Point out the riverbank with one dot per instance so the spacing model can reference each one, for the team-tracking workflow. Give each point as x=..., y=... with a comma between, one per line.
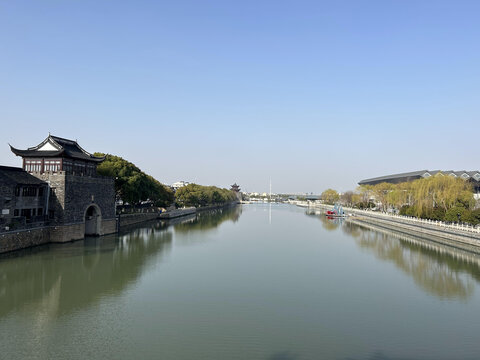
x=172, y=214
x=28, y=238
x=464, y=237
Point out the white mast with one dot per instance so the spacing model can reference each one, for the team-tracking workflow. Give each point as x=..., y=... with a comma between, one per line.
x=270, y=203
x=270, y=194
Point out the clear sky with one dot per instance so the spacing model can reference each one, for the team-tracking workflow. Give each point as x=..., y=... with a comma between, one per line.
x=313, y=94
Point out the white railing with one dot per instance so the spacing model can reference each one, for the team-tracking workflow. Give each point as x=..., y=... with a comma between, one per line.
x=410, y=219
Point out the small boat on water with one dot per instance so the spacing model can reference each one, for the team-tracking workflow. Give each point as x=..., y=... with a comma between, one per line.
x=336, y=212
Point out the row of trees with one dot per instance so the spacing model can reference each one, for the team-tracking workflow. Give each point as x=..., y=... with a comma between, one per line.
x=438, y=197
x=198, y=195
x=131, y=184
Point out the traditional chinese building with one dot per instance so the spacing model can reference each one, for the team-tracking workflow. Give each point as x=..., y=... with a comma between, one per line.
x=235, y=187
x=79, y=202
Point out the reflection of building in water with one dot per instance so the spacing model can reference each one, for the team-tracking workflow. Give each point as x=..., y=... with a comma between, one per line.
x=440, y=270
x=64, y=278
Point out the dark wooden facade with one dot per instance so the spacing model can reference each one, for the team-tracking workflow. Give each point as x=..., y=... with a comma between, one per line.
x=56, y=154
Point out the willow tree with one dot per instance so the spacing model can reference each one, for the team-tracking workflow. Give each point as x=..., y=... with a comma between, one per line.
x=381, y=191
x=400, y=195
x=330, y=196
x=442, y=191
x=365, y=192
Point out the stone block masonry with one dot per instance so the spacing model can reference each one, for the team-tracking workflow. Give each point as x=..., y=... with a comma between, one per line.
x=130, y=219
x=23, y=239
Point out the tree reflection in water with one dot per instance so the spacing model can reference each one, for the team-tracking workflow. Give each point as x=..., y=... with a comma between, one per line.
x=438, y=269
x=208, y=220
x=58, y=278
x=62, y=277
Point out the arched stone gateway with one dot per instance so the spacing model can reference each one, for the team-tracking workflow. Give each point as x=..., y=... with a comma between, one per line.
x=93, y=220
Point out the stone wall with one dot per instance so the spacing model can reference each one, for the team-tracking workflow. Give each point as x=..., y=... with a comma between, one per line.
x=7, y=203
x=56, y=201
x=66, y=233
x=72, y=195
x=130, y=219
x=82, y=191
x=10, y=241
x=109, y=226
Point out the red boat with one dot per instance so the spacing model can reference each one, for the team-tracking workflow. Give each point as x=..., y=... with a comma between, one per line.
x=336, y=212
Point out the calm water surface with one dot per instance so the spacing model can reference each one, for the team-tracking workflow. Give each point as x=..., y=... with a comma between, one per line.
x=254, y=282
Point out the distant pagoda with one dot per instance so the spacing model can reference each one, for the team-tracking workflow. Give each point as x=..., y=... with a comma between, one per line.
x=55, y=154
x=235, y=188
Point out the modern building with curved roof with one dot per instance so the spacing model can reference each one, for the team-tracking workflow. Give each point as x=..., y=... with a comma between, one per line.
x=472, y=176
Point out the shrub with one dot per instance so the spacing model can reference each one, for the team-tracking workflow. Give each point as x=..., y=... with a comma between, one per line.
x=458, y=213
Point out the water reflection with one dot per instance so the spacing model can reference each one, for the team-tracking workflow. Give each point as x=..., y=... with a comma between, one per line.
x=60, y=278
x=208, y=220
x=438, y=269
x=328, y=223
x=441, y=271
x=379, y=356
x=284, y=355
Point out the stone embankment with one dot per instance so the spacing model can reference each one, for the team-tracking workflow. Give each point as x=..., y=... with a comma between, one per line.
x=175, y=213
x=464, y=236
x=135, y=218
x=30, y=237
x=171, y=214
x=22, y=239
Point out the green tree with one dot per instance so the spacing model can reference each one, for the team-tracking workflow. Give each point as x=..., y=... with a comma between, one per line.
x=347, y=198
x=441, y=191
x=198, y=195
x=330, y=196
x=381, y=191
x=131, y=184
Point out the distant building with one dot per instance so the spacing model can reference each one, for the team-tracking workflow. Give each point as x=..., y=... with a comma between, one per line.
x=235, y=188
x=472, y=176
x=177, y=185
x=59, y=185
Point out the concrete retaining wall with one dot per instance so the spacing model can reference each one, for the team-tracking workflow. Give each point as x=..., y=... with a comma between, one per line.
x=466, y=236
x=415, y=237
x=459, y=238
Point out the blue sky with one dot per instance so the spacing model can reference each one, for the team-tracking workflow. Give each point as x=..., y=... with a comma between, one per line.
x=312, y=94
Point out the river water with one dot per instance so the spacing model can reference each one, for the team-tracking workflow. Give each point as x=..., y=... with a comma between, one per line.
x=273, y=282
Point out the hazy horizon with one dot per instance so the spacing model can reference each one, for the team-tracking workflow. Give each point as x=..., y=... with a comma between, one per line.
x=313, y=95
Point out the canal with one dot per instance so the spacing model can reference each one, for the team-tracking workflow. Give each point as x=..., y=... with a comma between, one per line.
x=272, y=282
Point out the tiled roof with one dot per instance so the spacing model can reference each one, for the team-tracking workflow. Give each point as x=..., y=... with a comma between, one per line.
x=14, y=175
x=64, y=147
